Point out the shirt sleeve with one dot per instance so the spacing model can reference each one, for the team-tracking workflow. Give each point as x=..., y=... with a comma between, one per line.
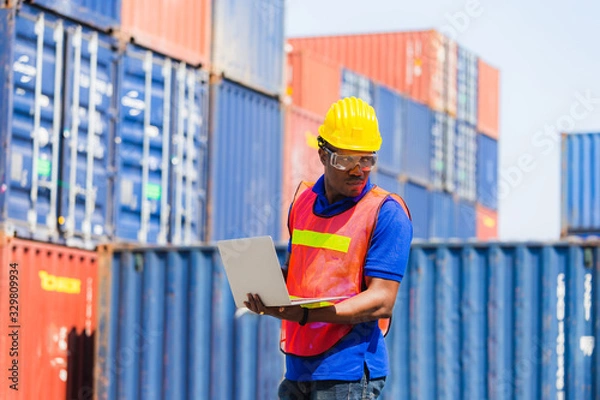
x=387, y=256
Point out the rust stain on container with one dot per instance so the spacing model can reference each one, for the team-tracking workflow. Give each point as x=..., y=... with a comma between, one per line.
x=179, y=29
x=48, y=320
x=488, y=98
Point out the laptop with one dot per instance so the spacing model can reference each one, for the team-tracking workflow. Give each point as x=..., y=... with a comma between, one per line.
x=252, y=266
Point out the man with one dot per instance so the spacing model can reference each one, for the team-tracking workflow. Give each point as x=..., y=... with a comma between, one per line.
x=348, y=238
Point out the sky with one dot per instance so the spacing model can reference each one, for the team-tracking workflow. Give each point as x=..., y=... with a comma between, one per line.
x=549, y=61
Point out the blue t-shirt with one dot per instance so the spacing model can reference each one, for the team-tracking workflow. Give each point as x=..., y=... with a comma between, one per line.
x=386, y=258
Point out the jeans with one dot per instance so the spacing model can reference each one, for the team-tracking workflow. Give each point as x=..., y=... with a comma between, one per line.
x=365, y=389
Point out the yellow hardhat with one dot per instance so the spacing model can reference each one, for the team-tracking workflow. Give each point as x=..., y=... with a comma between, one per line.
x=351, y=124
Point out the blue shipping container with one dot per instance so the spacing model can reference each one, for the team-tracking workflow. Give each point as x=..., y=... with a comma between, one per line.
x=101, y=14
x=88, y=132
x=466, y=220
x=464, y=160
x=248, y=43
x=467, y=86
x=487, y=172
x=439, y=169
x=247, y=140
x=417, y=199
x=386, y=181
x=484, y=320
x=359, y=86
x=390, y=109
x=581, y=184
x=416, y=144
x=160, y=156
x=443, y=216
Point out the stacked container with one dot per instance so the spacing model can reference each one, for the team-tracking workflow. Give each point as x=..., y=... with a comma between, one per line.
x=430, y=99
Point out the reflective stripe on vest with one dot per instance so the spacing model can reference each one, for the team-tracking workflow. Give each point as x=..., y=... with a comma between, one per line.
x=327, y=259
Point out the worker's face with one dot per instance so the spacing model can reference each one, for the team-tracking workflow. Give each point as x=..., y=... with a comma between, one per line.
x=343, y=183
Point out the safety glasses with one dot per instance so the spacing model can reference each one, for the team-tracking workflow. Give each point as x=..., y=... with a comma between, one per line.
x=347, y=162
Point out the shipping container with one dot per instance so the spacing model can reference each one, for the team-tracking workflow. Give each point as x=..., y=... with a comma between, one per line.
x=48, y=321
x=421, y=65
x=481, y=320
x=313, y=83
x=581, y=184
x=466, y=221
x=248, y=43
x=442, y=216
x=488, y=100
x=168, y=327
x=161, y=150
x=390, y=108
x=387, y=181
x=465, y=160
x=356, y=85
x=467, y=89
x=181, y=29
x=300, y=157
x=417, y=144
x=101, y=14
x=88, y=133
x=487, y=171
x=246, y=192
x=439, y=155
x=487, y=223
x=418, y=200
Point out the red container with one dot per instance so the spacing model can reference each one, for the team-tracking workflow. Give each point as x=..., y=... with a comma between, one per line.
x=179, y=29
x=313, y=83
x=488, y=98
x=48, y=319
x=301, y=159
x=487, y=223
x=421, y=65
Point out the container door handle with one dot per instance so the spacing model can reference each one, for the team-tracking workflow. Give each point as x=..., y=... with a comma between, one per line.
x=190, y=156
x=164, y=200
x=145, y=212
x=177, y=236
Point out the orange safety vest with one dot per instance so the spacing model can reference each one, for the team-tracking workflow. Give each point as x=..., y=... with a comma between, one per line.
x=327, y=259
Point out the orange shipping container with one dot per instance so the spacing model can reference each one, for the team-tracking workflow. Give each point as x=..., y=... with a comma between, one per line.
x=488, y=100
x=487, y=223
x=313, y=83
x=48, y=319
x=301, y=159
x=421, y=65
x=178, y=29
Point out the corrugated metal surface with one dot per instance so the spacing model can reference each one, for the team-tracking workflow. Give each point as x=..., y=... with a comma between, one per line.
x=421, y=65
x=418, y=199
x=484, y=320
x=31, y=109
x=487, y=172
x=466, y=220
x=390, y=108
x=487, y=223
x=246, y=182
x=102, y=14
x=180, y=29
x=443, y=216
x=581, y=184
x=467, y=86
x=356, y=85
x=439, y=169
x=465, y=160
x=488, y=100
x=416, y=149
x=312, y=82
x=168, y=327
x=248, y=43
x=88, y=132
x=48, y=317
x=496, y=321
x=301, y=158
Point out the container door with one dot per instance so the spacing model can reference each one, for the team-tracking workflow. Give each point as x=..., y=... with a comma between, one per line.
x=141, y=209
x=35, y=84
x=466, y=161
x=90, y=71
x=189, y=155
